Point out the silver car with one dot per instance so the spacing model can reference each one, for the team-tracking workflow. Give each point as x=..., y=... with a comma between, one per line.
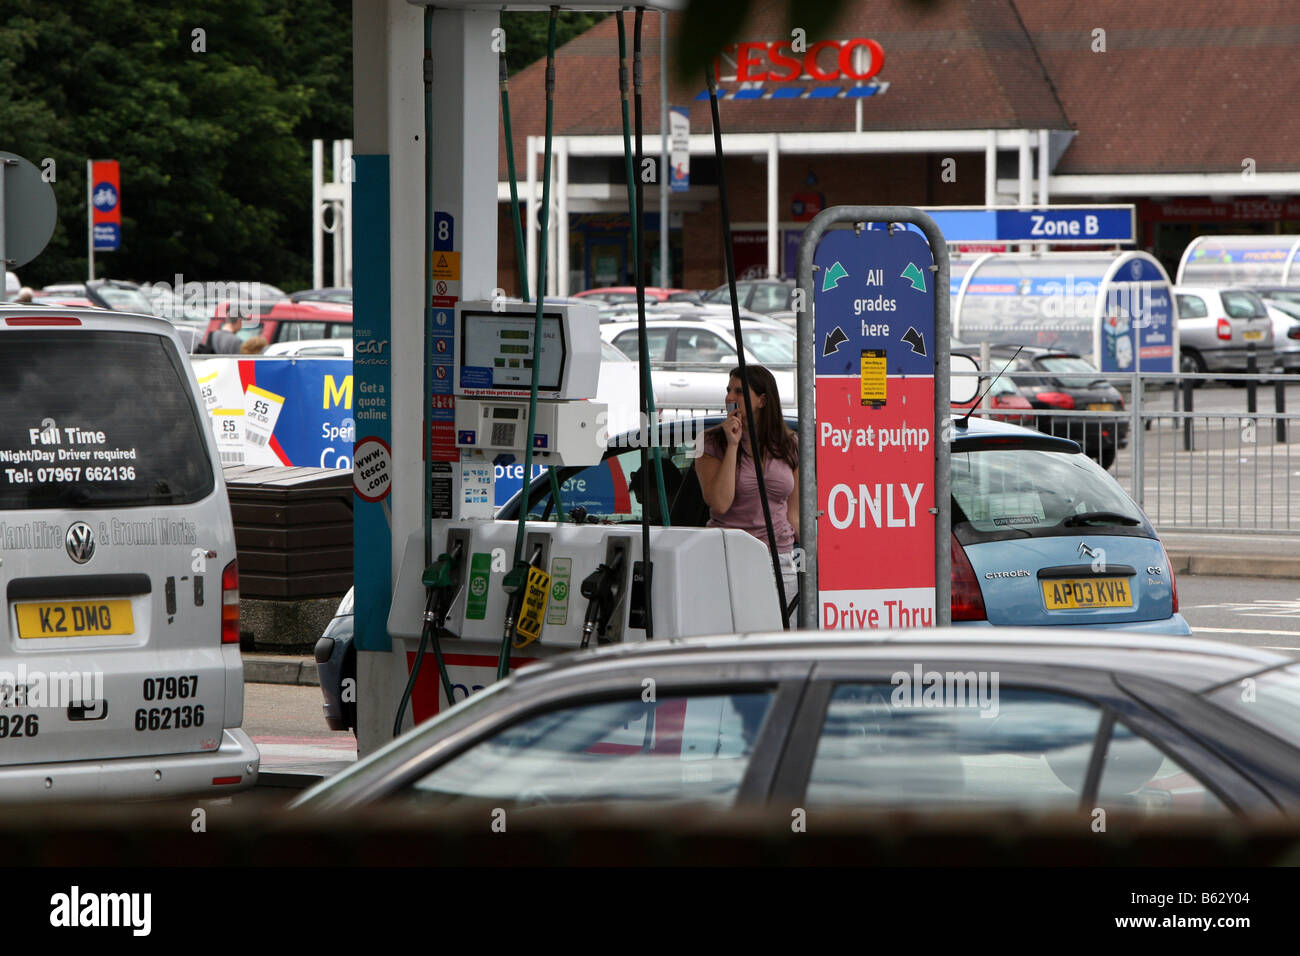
x=1286, y=333
x=1217, y=326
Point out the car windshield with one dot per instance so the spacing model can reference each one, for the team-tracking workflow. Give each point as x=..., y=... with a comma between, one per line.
x=1273, y=702
x=771, y=346
x=1033, y=491
x=609, y=353
x=1059, y=364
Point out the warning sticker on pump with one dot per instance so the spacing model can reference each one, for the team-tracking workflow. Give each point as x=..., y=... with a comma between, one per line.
x=873, y=377
x=446, y=265
x=529, y=627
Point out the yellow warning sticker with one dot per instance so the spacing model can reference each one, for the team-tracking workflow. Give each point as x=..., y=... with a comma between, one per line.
x=873, y=377
x=446, y=266
x=529, y=626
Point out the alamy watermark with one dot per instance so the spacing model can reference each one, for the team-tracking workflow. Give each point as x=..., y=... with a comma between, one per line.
x=36, y=688
x=179, y=298
x=935, y=689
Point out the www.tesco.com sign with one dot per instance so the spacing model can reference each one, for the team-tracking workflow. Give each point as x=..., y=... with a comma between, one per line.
x=779, y=62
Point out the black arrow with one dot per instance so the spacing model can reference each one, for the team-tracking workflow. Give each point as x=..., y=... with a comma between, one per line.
x=833, y=341
x=915, y=339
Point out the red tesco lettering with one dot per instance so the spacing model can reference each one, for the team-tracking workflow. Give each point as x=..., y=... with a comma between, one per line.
x=790, y=66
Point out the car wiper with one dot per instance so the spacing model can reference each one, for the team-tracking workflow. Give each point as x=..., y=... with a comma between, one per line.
x=1098, y=517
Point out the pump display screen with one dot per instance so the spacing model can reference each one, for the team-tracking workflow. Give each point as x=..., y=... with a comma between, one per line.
x=497, y=351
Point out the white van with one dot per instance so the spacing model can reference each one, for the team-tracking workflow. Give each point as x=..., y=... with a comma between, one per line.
x=120, y=673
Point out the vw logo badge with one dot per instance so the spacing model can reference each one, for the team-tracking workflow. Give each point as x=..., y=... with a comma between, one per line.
x=80, y=541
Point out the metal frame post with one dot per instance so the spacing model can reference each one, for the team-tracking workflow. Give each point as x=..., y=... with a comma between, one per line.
x=807, y=375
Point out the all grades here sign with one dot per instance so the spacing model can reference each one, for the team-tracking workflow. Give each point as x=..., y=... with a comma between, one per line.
x=874, y=308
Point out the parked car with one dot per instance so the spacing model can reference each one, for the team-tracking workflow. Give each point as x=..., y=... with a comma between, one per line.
x=1285, y=316
x=336, y=663
x=1217, y=326
x=691, y=358
x=330, y=294
x=120, y=567
x=1064, y=381
x=312, y=348
x=287, y=321
x=1147, y=726
x=618, y=294
x=119, y=295
x=768, y=296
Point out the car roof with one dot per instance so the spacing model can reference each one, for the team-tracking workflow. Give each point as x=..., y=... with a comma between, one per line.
x=1193, y=664
x=89, y=316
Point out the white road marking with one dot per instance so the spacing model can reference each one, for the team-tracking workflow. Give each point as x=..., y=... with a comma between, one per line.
x=1244, y=630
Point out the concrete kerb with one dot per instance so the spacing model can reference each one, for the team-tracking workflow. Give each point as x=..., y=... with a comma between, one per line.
x=1225, y=554
x=281, y=670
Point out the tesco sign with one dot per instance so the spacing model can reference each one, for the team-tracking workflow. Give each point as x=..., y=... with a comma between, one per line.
x=777, y=62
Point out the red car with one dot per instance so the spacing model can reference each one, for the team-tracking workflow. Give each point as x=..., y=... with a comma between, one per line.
x=290, y=321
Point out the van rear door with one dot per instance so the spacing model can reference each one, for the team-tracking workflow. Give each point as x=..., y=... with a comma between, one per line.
x=114, y=532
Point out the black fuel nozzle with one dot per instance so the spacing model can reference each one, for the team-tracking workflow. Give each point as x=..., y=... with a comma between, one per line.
x=578, y=515
x=443, y=580
x=515, y=584
x=602, y=589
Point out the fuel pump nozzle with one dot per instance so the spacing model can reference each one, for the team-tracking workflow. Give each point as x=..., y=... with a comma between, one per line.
x=514, y=584
x=602, y=589
x=442, y=582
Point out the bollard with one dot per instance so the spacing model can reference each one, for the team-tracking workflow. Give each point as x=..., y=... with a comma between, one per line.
x=1279, y=406
x=1251, y=369
x=1187, y=407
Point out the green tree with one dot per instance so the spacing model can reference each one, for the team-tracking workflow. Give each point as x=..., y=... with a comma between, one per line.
x=526, y=34
x=210, y=107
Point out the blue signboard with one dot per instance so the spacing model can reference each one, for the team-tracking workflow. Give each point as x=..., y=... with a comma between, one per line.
x=1064, y=225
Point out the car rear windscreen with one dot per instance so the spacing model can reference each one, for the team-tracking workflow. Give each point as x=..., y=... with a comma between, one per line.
x=1017, y=492
x=96, y=419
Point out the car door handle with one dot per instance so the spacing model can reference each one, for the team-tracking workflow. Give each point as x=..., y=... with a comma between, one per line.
x=679, y=383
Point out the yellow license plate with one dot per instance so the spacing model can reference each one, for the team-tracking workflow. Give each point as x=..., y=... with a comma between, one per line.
x=1252, y=336
x=75, y=619
x=1101, y=407
x=1068, y=594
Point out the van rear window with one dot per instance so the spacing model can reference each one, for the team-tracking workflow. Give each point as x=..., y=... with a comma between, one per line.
x=96, y=419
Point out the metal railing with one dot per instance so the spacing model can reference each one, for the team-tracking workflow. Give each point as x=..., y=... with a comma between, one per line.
x=1194, y=459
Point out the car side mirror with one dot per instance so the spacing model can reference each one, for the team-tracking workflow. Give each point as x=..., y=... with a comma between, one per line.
x=963, y=388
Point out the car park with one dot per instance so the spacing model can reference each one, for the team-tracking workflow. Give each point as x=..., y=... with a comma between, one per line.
x=119, y=568
x=1219, y=328
x=691, y=358
x=1061, y=381
x=1035, y=721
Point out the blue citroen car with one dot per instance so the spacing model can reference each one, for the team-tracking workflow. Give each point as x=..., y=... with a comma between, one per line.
x=1042, y=535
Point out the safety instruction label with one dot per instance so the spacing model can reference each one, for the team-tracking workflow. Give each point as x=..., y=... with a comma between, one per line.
x=561, y=571
x=261, y=411
x=480, y=570
x=476, y=489
x=446, y=266
x=529, y=626
x=228, y=426
x=873, y=377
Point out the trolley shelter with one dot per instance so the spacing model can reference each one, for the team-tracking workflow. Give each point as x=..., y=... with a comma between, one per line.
x=1241, y=260
x=1114, y=308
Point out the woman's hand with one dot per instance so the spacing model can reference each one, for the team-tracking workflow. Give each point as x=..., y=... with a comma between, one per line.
x=731, y=427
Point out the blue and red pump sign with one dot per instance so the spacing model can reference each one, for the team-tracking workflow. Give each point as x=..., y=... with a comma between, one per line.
x=874, y=306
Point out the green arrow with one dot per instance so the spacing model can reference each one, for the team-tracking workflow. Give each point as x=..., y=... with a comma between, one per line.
x=914, y=275
x=833, y=276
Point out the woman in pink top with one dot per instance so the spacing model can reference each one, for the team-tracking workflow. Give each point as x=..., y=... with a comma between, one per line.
x=726, y=469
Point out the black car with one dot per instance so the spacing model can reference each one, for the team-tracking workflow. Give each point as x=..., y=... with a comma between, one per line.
x=769, y=296
x=918, y=720
x=336, y=665
x=1061, y=382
